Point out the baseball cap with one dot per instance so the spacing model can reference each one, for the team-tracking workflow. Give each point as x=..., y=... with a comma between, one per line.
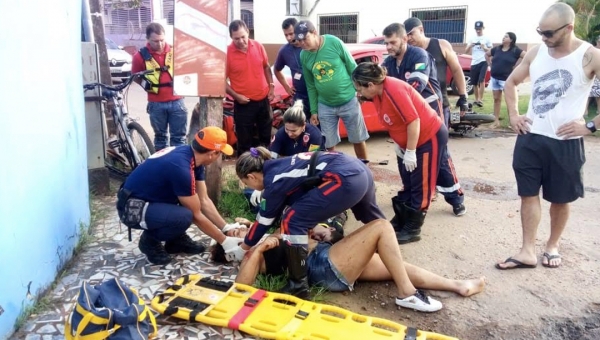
x=478, y=25
x=302, y=28
x=411, y=23
x=213, y=138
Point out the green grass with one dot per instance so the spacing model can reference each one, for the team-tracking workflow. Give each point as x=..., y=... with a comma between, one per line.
x=233, y=203
x=488, y=108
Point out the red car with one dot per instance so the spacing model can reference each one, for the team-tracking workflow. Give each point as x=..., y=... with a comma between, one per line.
x=463, y=59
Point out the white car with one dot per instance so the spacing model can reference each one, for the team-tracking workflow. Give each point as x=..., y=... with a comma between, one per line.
x=118, y=60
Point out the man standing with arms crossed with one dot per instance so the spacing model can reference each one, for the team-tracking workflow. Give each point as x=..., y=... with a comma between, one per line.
x=327, y=69
x=549, y=152
x=289, y=55
x=168, y=114
x=251, y=86
x=479, y=65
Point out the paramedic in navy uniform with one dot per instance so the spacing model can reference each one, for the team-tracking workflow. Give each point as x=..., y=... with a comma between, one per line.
x=344, y=182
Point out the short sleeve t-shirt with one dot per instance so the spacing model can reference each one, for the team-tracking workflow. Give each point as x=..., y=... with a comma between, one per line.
x=477, y=52
x=166, y=175
x=310, y=140
x=503, y=62
x=289, y=55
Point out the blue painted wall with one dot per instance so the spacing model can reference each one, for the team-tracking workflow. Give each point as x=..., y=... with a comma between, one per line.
x=44, y=195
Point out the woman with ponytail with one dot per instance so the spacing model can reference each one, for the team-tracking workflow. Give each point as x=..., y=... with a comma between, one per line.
x=304, y=189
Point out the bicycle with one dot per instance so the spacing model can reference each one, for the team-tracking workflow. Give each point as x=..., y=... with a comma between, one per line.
x=132, y=144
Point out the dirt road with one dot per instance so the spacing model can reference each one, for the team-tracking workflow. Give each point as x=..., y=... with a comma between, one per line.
x=536, y=303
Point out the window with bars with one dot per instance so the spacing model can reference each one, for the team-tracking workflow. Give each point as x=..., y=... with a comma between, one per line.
x=169, y=11
x=124, y=18
x=443, y=22
x=343, y=26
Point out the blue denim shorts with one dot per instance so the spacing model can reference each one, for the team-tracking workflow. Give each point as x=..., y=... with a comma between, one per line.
x=497, y=85
x=351, y=115
x=323, y=273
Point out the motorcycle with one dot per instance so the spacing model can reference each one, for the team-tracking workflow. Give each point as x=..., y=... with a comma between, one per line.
x=470, y=121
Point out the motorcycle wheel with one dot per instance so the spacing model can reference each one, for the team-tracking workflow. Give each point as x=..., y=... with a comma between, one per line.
x=477, y=118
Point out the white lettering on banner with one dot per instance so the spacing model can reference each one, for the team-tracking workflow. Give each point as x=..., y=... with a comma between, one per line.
x=201, y=26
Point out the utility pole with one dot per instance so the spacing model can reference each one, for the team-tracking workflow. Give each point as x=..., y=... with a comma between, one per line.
x=209, y=112
x=105, y=78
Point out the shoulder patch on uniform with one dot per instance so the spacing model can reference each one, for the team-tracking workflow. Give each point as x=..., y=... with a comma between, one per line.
x=420, y=66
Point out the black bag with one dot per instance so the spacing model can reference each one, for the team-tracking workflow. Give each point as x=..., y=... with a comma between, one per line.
x=312, y=179
x=131, y=210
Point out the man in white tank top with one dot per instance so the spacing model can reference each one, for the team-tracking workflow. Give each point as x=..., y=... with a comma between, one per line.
x=549, y=151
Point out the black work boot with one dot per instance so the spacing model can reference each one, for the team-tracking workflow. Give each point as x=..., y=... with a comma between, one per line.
x=412, y=226
x=153, y=249
x=297, y=276
x=399, y=218
x=184, y=244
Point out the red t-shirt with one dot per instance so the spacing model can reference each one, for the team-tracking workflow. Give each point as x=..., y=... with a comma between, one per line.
x=165, y=94
x=399, y=105
x=246, y=70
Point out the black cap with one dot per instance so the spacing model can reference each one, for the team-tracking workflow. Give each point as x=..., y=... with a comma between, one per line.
x=479, y=25
x=302, y=28
x=411, y=23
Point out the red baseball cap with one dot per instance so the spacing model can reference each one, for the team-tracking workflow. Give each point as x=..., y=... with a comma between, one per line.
x=214, y=138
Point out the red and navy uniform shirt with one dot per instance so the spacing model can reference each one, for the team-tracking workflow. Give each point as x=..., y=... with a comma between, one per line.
x=282, y=180
x=166, y=175
x=418, y=69
x=309, y=140
x=399, y=105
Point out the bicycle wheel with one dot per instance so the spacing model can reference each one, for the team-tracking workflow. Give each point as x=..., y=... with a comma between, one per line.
x=477, y=118
x=141, y=141
x=119, y=160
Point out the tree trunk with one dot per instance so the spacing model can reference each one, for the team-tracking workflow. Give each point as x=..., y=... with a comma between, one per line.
x=209, y=112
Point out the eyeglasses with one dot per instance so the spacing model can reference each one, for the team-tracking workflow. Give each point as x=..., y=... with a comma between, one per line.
x=550, y=33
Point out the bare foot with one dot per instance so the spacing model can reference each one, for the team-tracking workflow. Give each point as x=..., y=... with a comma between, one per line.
x=471, y=287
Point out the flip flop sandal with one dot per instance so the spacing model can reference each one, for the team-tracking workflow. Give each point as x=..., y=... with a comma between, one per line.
x=518, y=264
x=550, y=257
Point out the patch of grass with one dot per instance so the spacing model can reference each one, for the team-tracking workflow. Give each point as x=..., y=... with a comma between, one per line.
x=272, y=283
x=233, y=203
x=488, y=107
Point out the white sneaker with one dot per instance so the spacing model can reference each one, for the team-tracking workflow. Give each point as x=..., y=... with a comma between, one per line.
x=420, y=302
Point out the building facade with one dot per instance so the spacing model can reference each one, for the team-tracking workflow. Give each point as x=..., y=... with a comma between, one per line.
x=355, y=21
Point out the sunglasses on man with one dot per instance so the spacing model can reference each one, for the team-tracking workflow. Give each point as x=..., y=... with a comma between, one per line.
x=550, y=33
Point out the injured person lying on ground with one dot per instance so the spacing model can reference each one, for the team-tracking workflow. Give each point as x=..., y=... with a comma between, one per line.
x=335, y=263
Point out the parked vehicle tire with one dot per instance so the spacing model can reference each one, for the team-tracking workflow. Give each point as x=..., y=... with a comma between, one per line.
x=141, y=140
x=467, y=82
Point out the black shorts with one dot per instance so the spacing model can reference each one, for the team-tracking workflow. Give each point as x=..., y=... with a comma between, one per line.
x=478, y=72
x=554, y=165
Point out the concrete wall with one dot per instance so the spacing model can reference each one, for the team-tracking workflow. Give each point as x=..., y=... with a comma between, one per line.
x=499, y=16
x=43, y=177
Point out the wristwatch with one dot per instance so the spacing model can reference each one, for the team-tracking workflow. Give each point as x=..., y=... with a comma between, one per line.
x=591, y=126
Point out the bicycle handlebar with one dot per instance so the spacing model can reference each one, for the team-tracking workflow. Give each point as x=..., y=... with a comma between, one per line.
x=118, y=87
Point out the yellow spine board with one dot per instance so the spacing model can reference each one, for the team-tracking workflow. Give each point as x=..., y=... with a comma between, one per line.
x=273, y=315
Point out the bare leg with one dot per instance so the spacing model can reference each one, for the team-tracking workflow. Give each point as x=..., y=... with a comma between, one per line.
x=354, y=253
x=559, y=214
x=422, y=278
x=481, y=89
x=476, y=92
x=531, y=211
x=360, y=149
x=497, y=103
